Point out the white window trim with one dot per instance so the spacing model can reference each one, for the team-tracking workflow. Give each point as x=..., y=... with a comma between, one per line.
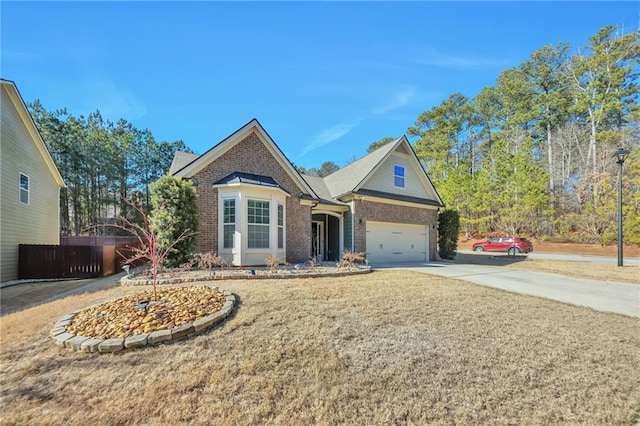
x=404, y=178
x=234, y=223
x=283, y=226
x=241, y=254
x=28, y=190
x=267, y=225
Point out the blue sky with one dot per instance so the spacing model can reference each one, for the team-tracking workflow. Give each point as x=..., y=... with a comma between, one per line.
x=325, y=79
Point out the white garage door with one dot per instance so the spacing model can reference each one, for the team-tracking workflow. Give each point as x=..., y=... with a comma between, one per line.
x=396, y=242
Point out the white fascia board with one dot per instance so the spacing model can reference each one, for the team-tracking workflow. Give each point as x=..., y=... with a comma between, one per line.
x=228, y=143
x=23, y=112
x=377, y=166
x=254, y=188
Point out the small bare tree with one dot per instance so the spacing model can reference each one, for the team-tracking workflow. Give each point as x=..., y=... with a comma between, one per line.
x=148, y=247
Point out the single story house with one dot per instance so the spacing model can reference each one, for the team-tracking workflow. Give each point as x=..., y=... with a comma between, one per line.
x=252, y=203
x=30, y=183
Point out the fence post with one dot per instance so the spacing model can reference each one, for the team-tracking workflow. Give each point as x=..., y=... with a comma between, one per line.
x=108, y=260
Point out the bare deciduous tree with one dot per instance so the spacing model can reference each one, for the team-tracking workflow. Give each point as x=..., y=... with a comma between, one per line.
x=148, y=247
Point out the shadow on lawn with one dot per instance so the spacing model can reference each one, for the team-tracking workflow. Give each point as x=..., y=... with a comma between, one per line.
x=499, y=259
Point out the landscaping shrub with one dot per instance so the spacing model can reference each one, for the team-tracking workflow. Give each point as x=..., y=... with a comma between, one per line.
x=173, y=212
x=272, y=262
x=448, y=227
x=350, y=259
x=209, y=260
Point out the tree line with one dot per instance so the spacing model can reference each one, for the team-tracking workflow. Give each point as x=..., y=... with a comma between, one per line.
x=532, y=154
x=103, y=164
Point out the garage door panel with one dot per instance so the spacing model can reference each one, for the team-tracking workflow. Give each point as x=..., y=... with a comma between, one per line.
x=396, y=242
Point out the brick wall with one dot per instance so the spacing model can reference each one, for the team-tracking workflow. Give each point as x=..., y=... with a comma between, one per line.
x=381, y=212
x=251, y=156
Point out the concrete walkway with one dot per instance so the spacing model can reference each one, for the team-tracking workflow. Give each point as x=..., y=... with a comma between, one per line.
x=616, y=297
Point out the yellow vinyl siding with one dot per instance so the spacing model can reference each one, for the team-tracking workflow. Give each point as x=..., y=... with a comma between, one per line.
x=37, y=222
x=382, y=179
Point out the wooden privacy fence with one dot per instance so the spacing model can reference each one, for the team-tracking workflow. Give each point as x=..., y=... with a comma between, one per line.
x=96, y=240
x=76, y=261
x=46, y=261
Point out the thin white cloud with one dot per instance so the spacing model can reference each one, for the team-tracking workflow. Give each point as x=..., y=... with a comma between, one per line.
x=113, y=101
x=398, y=99
x=15, y=54
x=443, y=60
x=329, y=135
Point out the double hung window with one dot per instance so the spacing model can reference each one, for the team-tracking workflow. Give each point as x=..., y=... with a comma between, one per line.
x=398, y=176
x=24, y=189
x=280, y=226
x=258, y=224
x=229, y=222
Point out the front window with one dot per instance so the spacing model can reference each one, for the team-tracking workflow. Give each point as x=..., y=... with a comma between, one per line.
x=229, y=222
x=280, y=226
x=398, y=176
x=258, y=220
x=24, y=189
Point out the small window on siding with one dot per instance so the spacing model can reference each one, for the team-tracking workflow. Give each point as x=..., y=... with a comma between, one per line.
x=24, y=189
x=280, y=226
x=398, y=176
x=258, y=219
x=229, y=222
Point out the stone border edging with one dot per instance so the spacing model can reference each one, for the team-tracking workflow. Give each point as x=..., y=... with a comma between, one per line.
x=63, y=338
x=124, y=281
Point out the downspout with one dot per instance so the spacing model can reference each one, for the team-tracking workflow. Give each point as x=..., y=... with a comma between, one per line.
x=59, y=221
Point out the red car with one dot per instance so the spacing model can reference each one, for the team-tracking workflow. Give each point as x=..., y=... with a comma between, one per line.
x=506, y=244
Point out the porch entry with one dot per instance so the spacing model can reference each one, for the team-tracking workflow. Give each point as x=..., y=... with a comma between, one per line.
x=325, y=237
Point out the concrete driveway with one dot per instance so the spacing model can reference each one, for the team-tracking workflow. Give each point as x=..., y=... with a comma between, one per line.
x=616, y=297
x=627, y=260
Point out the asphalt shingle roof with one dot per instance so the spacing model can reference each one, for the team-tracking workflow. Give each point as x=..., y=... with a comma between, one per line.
x=240, y=177
x=181, y=159
x=348, y=178
x=320, y=188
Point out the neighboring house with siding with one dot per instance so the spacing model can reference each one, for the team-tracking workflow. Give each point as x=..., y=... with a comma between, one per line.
x=29, y=183
x=253, y=203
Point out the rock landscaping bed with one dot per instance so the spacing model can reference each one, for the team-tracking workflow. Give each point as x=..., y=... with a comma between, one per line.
x=137, y=320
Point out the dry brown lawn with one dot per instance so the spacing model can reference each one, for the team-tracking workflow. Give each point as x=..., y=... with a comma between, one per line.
x=391, y=347
x=591, y=270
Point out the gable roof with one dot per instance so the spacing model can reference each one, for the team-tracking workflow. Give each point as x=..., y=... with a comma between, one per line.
x=345, y=180
x=23, y=112
x=198, y=163
x=351, y=178
x=181, y=159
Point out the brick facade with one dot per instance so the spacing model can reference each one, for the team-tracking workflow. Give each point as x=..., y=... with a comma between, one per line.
x=381, y=212
x=250, y=155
